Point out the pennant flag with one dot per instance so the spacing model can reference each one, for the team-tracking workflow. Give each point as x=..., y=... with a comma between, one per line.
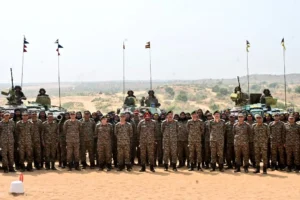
x=24, y=46
x=147, y=46
x=59, y=46
x=25, y=41
x=24, y=50
x=247, y=45
x=56, y=42
x=282, y=44
x=123, y=45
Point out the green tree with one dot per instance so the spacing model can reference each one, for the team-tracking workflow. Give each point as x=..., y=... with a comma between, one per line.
x=170, y=91
x=216, y=89
x=182, y=96
x=297, y=89
x=273, y=85
x=255, y=88
x=214, y=107
x=224, y=91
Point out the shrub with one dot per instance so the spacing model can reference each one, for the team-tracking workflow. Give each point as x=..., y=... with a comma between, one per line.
x=182, y=96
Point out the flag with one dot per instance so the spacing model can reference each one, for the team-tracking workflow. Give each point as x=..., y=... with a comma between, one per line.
x=24, y=46
x=56, y=42
x=147, y=46
x=123, y=45
x=282, y=44
x=59, y=46
x=247, y=45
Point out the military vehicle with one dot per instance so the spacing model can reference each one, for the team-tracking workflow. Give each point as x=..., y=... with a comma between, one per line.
x=255, y=103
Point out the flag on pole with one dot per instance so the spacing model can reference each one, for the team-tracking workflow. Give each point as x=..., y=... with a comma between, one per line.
x=147, y=46
x=282, y=44
x=247, y=45
x=58, y=47
x=123, y=45
x=24, y=45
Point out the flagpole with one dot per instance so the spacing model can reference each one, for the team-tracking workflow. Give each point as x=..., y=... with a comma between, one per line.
x=284, y=77
x=58, y=80
x=150, y=69
x=248, y=74
x=22, y=67
x=123, y=71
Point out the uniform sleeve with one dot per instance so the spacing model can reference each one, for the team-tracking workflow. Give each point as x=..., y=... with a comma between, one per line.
x=138, y=130
x=65, y=127
x=284, y=134
x=131, y=129
x=187, y=127
x=96, y=131
x=162, y=127
x=115, y=130
x=268, y=132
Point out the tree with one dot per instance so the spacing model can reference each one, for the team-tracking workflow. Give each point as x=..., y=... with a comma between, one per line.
x=273, y=85
x=224, y=91
x=297, y=89
x=182, y=96
x=214, y=107
x=170, y=91
x=216, y=88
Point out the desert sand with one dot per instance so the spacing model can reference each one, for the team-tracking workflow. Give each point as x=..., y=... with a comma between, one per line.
x=92, y=184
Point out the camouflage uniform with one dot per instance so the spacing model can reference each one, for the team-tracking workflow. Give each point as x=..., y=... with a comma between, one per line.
x=229, y=135
x=25, y=141
x=292, y=143
x=36, y=131
x=87, y=128
x=207, y=143
x=146, y=131
x=158, y=147
x=251, y=145
x=170, y=134
x=195, y=130
x=123, y=133
x=62, y=143
x=104, y=134
x=50, y=140
x=72, y=131
x=261, y=135
x=182, y=143
x=217, y=132
x=134, y=149
x=7, y=143
x=277, y=130
x=241, y=133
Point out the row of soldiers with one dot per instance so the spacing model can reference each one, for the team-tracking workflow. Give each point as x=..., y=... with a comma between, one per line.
x=150, y=138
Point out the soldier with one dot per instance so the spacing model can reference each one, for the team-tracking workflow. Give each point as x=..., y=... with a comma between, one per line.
x=169, y=129
x=151, y=100
x=62, y=140
x=158, y=140
x=250, y=121
x=36, y=131
x=50, y=140
x=134, y=149
x=261, y=133
x=25, y=141
x=72, y=131
x=146, y=132
x=229, y=135
x=7, y=128
x=123, y=133
x=206, y=140
x=241, y=132
x=43, y=98
x=217, y=132
x=104, y=133
x=277, y=130
x=87, y=128
x=130, y=100
x=182, y=141
x=195, y=130
x=292, y=142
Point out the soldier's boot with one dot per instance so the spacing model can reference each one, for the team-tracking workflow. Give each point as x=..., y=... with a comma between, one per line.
x=101, y=166
x=77, y=167
x=38, y=166
x=254, y=164
x=281, y=167
x=70, y=166
x=191, y=167
x=108, y=167
x=206, y=165
x=264, y=170
x=297, y=168
x=257, y=170
x=59, y=164
x=143, y=169
x=237, y=168
x=152, y=168
x=128, y=167
x=5, y=169
x=166, y=167
x=84, y=165
x=221, y=167
x=246, y=169
x=29, y=167
x=92, y=165
x=229, y=166
x=64, y=164
x=273, y=165
x=22, y=167
x=47, y=166
x=174, y=167
x=160, y=163
x=53, y=166
x=199, y=167
x=120, y=168
x=213, y=167
x=289, y=168
x=180, y=164
x=11, y=169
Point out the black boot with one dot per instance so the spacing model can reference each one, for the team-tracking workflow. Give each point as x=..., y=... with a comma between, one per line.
x=143, y=169
x=281, y=167
x=297, y=168
x=237, y=168
x=64, y=164
x=264, y=170
x=47, y=166
x=289, y=168
x=152, y=168
x=246, y=169
x=191, y=167
x=108, y=167
x=221, y=167
x=180, y=164
x=70, y=166
x=92, y=165
x=53, y=166
x=120, y=168
x=84, y=165
x=257, y=170
x=101, y=166
x=229, y=166
x=174, y=167
x=206, y=165
x=29, y=167
x=77, y=166
x=199, y=167
x=213, y=167
x=166, y=167
x=5, y=169
x=11, y=169
x=38, y=166
x=22, y=168
x=273, y=165
x=128, y=167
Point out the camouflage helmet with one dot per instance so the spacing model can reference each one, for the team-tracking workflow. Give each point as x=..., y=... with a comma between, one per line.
x=150, y=91
x=42, y=89
x=18, y=87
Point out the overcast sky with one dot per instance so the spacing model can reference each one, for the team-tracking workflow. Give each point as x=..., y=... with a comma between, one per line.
x=190, y=39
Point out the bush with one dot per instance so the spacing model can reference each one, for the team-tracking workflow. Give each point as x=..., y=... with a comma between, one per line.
x=273, y=85
x=214, y=107
x=280, y=105
x=170, y=92
x=182, y=96
x=216, y=89
x=224, y=91
x=255, y=88
x=297, y=89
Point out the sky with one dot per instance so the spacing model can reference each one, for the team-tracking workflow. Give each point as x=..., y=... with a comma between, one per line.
x=190, y=39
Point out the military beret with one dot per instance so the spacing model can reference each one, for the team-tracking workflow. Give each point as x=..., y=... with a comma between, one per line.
x=147, y=115
x=216, y=112
x=257, y=116
x=194, y=112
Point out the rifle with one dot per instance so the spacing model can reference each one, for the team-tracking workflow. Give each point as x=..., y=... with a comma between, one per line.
x=12, y=79
x=238, y=78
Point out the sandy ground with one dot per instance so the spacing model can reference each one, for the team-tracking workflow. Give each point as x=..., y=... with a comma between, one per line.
x=92, y=184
